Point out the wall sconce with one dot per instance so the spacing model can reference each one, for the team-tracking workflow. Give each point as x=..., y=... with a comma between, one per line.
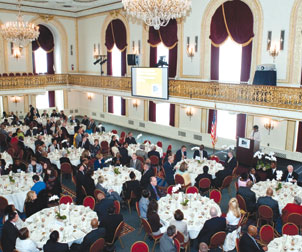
x=275, y=49
x=16, y=52
x=89, y=96
x=269, y=125
x=16, y=99
x=96, y=51
x=190, y=48
x=189, y=112
x=135, y=104
x=136, y=49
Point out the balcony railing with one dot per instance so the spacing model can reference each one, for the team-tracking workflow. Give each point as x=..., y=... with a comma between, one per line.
x=270, y=96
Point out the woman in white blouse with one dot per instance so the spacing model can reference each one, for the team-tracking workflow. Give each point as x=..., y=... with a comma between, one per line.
x=24, y=244
x=233, y=215
x=180, y=225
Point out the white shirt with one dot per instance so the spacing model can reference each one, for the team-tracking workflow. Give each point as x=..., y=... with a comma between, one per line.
x=26, y=245
x=232, y=219
x=255, y=135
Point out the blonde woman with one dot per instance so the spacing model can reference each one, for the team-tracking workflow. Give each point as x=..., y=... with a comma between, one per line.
x=183, y=171
x=233, y=215
x=31, y=205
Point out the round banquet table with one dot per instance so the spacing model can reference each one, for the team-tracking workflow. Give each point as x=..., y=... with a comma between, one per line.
x=73, y=154
x=285, y=195
x=105, y=136
x=115, y=181
x=7, y=158
x=286, y=243
x=30, y=141
x=72, y=229
x=70, y=128
x=195, y=167
x=195, y=214
x=132, y=148
x=15, y=192
x=13, y=129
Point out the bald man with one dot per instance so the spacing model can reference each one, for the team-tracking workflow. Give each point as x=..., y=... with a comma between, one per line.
x=270, y=202
x=248, y=242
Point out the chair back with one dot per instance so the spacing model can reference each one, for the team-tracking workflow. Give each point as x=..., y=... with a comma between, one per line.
x=237, y=244
x=89, y=201
x=290, y=229
x=83, y=190
x=295, y=218
x=180, y=237
x=226, y=182
x=140, y=158
x=139, y=246
x=118, y=231
x=192, y=189
x=265, y=212
x=169, y=189
x=234, y=173
x=147, y=141
x=241, y=202
x=204, y=183
x=159, y=144
x=114, y=131
x=123, y=134
x=66, y=199
x=177, y=244
x=96, y=192
x=217, y=239
x=104, y=147
x=236, y=185
x=154, y=160
x=3, y=205
x=66, y=168
x=117, y=207
x=137, y=209
x=215, y=195
x=147, y=227
x=179, y=179
x=266, y=234
x=98, y=245
x=74, y=180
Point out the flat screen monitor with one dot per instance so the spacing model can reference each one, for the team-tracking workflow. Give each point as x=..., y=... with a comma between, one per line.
x=150, y=82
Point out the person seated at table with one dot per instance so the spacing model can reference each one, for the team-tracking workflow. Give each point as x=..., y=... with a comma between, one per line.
x=10, y=233
x=169, y=170
x=73, y=120
x=253, y=176
x=85, y=156
x=205, y=174
x=289, y=175
x=180, y=224
x=54, y=113
x=211, y=226
x=52, y=245
x=99, y=163
x=166, y=242
x=39, y=141
x=153, y=217
x=114, y=145
x=272, y=173
x=248, y=242
x=44, y=114
x=183, y=171
x=230, y=162
x=270, y=202
x=131, y=185
x=117, y=160
x=243, y=179
x=24, y=244
x=9, y=209
x=148, y=172
x=290, y=208
x=233, y=215
x=19, y=133
x=111, y=222
x=130, y=139
x=32, y=131
x=249, y=196
x=102, y=206
x=135, y=163
x=34, y=166
x=31, y=205
x=95, y=148
x=2, y=166
x=85, y=120
x=64, y=158
x=85, y=144
x=154, y=152
x=18, y=166
x=54, y=145
x=14, y=139
x=78, y=136
x=143, y=204
x=220, y=175
x=181, y=154
x=39, y=185
x=141, y=152
x=124, y=154
x=109, y=194
x=201, y=153
x=52, y=181
x=168, y=154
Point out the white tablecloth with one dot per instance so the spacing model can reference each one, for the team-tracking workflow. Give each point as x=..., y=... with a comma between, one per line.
x=285, y=195
x=195, y=214
x=70, y=128
x=8, y=159
x=72, y=229
x=13, y=129
x=286, y=243
x=115, y=181
x=72, y=153
x=105, y=136
x=132, y=148
x=30, y=141
x=15, y=192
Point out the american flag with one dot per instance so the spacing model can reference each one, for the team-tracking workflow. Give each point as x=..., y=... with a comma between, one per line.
x=213, y=128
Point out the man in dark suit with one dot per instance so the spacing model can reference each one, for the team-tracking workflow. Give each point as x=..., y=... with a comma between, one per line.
x=81, y=181
x=230, y=162
x=44, y=114
x=290, y=175
x=169, y=170
x=10, y=233
x=153, y=152
x=249, y=196
x=85, y=120
x=180, y=154
x=148, y=172
x=32, y=131
x=39, y=141
x=130, y=139
x=248, y=242
x=211, y=226
x=54, y=113
x=253, y=176
x=205, y=174
x=153, y=189
x=269, y=201
x=73, y=120
x=124, y=154
x=220, y=175
x=91, y=125
x=64, y=158
x=272, y=174
x=131, y=185
x=101, y=208
x=85, y=143
x=136, y=163
x=200, y=153
x=52, y=245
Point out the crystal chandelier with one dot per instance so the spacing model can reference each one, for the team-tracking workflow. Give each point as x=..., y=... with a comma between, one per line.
x=19, y=32
x=157, y=13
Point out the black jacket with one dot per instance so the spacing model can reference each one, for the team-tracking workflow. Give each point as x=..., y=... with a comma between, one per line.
x=91, y=237
x=249, y=197
x=273, y=204
x=197, y=154
x=55, y=247
x=101, y=208
x=211, y=227
x=248, y=245
x=293, y=176
x=110, y=223
x=9, y=236
x=145, y=179
x=201, y=176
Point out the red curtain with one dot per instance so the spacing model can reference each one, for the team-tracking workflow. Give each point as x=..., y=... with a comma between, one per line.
x=110, y=104
x=168, y=36
x=152, y=111
x=172, y=115
x=214, y=63
x=123, y=105
x=299, y=140
x=241, y=122
x=51, y=99
x=116, y=34
x=210, y=119
x=233, y=19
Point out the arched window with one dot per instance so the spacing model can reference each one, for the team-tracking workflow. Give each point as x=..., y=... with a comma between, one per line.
x=43, y=52
x=42, y=101
x=163, y=113
x=234, y=20
x=116, y=36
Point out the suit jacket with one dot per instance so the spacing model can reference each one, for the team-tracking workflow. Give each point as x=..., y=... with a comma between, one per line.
x=293, y=176
x=137, y=166
x=249, y=197
x=289, y=209
x=211, y=227
x=247, y=244
x=124, y=154
x=273, y=204
x=101, y=208
x=152, y=192
x=130, y=140
x=110, y=223
x=169, y=171
x=145, y=179
x=9, y=236
x=255, y=179
x=55, y=247
x=178, y=156
x=201, y=176
x=271, y=175
x=64, y=160
x=197, y=153
x=85, y=145
x=142, y=153
x=220, y=175
x=166, y=244
x=230, y=164
x=131, y=186
x=31, y=133
x=153, y=153
x=91, y=237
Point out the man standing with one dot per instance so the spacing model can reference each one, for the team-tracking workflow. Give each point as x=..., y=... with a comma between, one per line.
x=130, y=139
x=248, y=242
x=166, y=243
x=148, y=172
x=169, y=170
x=255, y=134
x=10, y=233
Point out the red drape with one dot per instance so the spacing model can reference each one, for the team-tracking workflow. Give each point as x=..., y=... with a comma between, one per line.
x=246, y=60
x=299, y=139
x=214, y=63
x=172, y=115
x=153, y=56
x=210, y=119
x=152, y=111
x=51, y=99
x=241, y=122
x=110, y=104
x=123, y=105
x=116, y=34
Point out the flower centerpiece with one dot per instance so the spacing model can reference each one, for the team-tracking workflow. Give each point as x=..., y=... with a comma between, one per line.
x=279, y=175
x=60, y=217
x=279, y=186
x=176, y=188
x=264, y=160
x=116, y=171
x=184, y=203
x=53, y=198
x=11, y=179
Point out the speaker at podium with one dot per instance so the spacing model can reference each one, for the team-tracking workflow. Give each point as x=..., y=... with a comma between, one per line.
x=245, y=150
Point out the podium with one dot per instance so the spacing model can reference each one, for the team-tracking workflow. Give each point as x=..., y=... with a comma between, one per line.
x=245, y=150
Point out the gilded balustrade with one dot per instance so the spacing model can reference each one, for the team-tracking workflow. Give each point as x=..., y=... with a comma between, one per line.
x=270, y=96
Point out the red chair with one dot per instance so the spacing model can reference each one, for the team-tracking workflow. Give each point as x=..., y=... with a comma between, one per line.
x=241, y=202
x=66, y=169
x=204, y=185
x=96, y=192
x=169, y=189
x=226, y=183
x=30, y=74
x=104, y=147
x=181, y=239
x=139, y=215
x=159, y=144
x=154, y=160
x=265, y=213
x=18, y=74
x=236, y=185
x=266, y=234
x=66, y=199
x=177, y=244
x=11, y=75
x=215, y=195
x=180, y=180
x=114, y=131
x=140, y=158
x=123, y=134
x=237, y=244
x=139, y=246
x=290, y=229
x=122, y=140
x=117, y=207
x=192, y=189
x=24, y=74
x=4, y=75
x=217, y=240
x=148, y=231
x=147, y=141
x=132, y=197
x=215, y=158
x=3, y=205
x=296, y=219
x=169, y=147
x=89, y=201
x=117, y=235
x=98, y=245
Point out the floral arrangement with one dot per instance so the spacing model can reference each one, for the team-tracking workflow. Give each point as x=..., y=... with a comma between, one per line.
x=176, y=188
x=60, y=217
x=53, y=198
x=116, y=171
x=185, y=202
x=264, y=160
x=279, y=186
x=279, y=174
x=11, y=179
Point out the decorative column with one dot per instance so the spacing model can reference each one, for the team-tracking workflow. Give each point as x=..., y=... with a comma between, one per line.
x=105, y=98
x=65, y=95
x=146, y=110
x=204, y=116
x=33, y=100
x=290, y=136
x=26, y=104
x=177, y=115
x=5, y=103
x=249, y=125
x=126, y=107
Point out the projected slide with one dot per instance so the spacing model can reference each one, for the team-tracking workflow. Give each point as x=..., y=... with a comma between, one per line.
x=150, y=82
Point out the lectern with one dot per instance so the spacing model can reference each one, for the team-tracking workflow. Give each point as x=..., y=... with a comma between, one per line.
x=245, y=150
